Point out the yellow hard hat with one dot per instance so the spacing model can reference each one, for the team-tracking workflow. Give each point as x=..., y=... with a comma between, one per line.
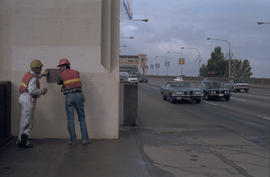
x=36, y=64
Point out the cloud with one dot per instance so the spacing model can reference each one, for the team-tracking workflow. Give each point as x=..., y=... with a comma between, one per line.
x=187, y=23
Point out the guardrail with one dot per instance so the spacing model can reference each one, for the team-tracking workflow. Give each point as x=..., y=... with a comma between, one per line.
x=5, y=111
x=263, y=82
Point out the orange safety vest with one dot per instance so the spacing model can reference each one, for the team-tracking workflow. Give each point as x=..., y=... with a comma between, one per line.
x=71, y=79
x=25, y=81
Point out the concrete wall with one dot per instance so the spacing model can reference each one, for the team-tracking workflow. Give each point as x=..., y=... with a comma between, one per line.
x=86, y=32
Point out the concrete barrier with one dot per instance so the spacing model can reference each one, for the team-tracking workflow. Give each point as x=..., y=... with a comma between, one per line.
x=253, y=82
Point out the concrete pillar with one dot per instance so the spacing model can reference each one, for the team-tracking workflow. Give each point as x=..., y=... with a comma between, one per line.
x=86, y=32
x=5, y=50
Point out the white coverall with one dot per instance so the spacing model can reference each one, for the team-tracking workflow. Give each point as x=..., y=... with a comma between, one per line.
x=28, y=104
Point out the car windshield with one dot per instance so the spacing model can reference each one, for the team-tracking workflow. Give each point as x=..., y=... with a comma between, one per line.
x=181, y=84
x=132, y=76
x=213, y=85
x=240, y=81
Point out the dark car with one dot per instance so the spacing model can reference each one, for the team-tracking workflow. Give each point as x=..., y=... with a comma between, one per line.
x=180, y=90
x=143, y=79
x=215, y=90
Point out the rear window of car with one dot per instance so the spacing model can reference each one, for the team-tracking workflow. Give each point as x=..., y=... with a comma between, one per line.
x=213, y=85
x=181, y=84
x=240, y=81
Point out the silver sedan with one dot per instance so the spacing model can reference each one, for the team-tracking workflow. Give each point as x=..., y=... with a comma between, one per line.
x=180, y=90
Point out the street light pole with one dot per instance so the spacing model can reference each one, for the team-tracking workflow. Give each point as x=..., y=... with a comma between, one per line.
x=199, y=55
x=142, y=20
x=130, y=37
x=181, y=56
x=260, y=23
x=230, y=50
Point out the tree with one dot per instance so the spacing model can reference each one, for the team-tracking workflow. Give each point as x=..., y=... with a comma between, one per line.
x=246, y=69
x=204, y=71
x=217, y=66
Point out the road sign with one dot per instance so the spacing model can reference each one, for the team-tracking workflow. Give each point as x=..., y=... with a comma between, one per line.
x=181, y=61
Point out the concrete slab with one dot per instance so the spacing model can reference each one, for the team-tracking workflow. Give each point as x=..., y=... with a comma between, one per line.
x=141, y=152
x=55, y=157
x=208, y=152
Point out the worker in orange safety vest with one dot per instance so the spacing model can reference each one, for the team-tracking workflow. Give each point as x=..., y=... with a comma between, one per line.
x=74, y=99
x=29, y=93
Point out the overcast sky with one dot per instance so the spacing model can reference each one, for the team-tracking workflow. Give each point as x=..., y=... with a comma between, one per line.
x=187, y=23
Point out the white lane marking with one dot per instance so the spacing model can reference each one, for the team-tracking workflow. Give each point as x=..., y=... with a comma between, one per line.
x=210, y=103
x=263, y=117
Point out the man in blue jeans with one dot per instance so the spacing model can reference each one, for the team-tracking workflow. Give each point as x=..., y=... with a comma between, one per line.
x=72, y=89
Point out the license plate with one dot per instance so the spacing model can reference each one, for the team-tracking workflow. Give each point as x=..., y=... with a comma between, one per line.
x=179, y=98
x=220, y=94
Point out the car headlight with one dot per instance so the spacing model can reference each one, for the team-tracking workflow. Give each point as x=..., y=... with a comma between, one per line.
x=197, y=92
x=178, y=93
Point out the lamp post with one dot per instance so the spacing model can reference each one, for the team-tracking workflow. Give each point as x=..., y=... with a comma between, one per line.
x=199, y=55
x=180, y=56
x=130, y=37
x=142, y=20
x=260, y=23
x=230, y=49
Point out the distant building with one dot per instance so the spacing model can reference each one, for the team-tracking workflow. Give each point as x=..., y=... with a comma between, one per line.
x=135, y=60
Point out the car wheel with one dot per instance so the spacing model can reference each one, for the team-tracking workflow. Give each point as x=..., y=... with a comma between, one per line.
x=164, y=97
x=207, y=97
x=246, y=90
x=197, y=101
x=172, y=100
x=227, y=98
x=203, y=96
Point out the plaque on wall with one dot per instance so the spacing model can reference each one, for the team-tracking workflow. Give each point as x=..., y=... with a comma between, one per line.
x=52, y=75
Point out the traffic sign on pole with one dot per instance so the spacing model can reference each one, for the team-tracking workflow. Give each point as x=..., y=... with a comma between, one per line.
x=181, y=61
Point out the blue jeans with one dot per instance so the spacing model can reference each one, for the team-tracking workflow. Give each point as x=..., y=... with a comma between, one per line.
x=76, y=101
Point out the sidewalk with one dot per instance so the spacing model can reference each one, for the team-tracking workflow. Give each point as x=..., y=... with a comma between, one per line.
x=56, y=158
x=141, y=152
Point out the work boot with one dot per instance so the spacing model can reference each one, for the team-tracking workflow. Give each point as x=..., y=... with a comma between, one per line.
x=24, y=142
x=85, y=142
x=72, y=143
x=24, y=139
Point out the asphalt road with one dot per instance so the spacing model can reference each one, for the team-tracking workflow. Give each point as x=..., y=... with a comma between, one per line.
x=248, y=114
x=213, y=138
